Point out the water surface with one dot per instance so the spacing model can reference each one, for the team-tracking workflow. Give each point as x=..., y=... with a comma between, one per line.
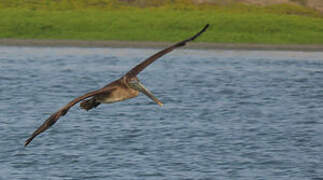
x=226, y=115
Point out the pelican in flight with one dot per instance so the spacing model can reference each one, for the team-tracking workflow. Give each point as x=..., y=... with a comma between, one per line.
x=128, y=86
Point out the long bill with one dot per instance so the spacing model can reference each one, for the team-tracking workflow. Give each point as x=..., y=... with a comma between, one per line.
x=140, y=87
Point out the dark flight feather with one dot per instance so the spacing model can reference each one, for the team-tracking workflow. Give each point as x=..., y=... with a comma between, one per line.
x=137, y=69
x=54, y=117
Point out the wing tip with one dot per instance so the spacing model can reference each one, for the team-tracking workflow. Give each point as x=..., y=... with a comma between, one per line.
x=199, y=33
x=47, y=124
x=206, y=26
x=182, y=43
x=28, y=141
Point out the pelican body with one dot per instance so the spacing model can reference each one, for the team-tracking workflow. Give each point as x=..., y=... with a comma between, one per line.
x=128, y=86
x=120, y=90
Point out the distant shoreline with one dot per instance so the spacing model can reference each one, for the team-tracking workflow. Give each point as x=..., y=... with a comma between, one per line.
x=148, y=44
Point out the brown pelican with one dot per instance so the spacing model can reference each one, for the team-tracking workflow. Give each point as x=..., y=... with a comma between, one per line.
x=128, y=86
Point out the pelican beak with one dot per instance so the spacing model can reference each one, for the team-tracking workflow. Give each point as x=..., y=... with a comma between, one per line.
x=140, y=87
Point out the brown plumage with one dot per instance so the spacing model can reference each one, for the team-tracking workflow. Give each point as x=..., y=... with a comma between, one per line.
x=128, y=86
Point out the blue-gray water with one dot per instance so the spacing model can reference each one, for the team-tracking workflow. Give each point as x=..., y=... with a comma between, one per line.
x=226, y=115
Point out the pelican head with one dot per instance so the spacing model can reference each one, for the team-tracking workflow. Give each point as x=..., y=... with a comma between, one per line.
x=137, y=85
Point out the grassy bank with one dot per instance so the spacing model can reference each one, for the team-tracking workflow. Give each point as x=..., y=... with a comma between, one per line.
x=236, y=23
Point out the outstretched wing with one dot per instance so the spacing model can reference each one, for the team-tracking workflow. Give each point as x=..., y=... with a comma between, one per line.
x=137, y=69
x=61, y=112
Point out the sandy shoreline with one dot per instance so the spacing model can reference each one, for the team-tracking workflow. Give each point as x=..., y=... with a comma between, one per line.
x=145, y=44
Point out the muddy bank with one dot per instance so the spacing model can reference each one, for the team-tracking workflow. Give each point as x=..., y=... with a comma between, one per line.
x=145, y=44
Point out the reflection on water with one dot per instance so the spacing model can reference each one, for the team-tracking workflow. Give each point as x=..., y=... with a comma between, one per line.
x=227, y=115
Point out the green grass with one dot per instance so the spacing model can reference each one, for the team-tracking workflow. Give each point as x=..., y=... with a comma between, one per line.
x=236, y=23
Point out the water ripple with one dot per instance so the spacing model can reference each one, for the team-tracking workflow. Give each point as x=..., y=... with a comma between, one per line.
x=227, y=115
